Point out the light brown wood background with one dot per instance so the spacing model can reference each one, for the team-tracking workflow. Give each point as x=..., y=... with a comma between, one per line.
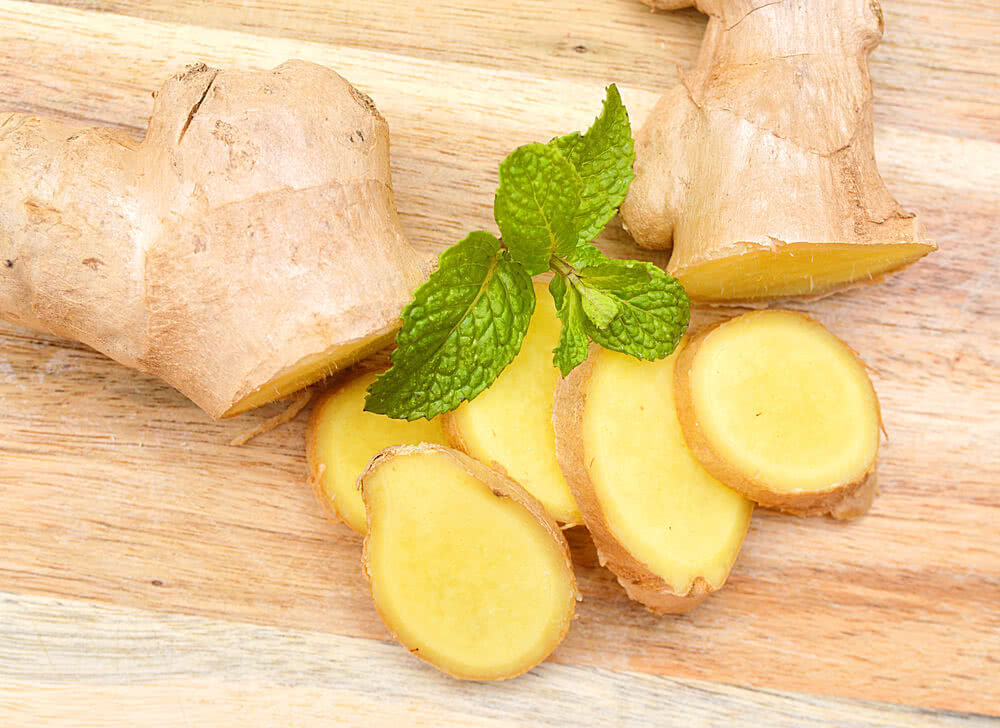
x=151, y=575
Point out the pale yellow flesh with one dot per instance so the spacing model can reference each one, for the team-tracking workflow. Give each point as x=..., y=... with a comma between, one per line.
x=347, y=437
x=510, y=424
x=785, y=402
x=309, y=371
x=658, y=501
x=798, y=269
x=469, y=579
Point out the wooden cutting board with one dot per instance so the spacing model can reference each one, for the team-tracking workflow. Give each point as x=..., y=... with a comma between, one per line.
x=152, y=575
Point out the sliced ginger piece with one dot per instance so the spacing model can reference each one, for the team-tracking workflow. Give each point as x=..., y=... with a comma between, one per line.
x=780, y=409
x=466, y=568
x=509, y=426
x=342, y=438
x=668, y=530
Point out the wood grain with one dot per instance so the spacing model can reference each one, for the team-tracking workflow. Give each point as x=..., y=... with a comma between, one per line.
x=940, y=50
x=94, y=666
x=115, y=490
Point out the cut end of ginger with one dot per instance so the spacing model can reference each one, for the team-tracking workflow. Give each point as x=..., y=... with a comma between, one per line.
x=310, y=370
x=342, y=438
x=509, y=426
x=668, y=529
x=466, y=568
x=780, y=409
x=757, y=273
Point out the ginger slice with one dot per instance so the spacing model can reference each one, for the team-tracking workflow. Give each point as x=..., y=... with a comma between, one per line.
x=780, y=409
x=466, y=568
x=668, y=530
x=342, y=438
x=509, y=426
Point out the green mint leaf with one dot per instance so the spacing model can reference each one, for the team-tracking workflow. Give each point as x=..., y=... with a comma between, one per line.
x=599, y=307
x=586, y=255
x=465, y=324
x=600, y=271
x=613, y=276
x=573, y=341
x=654, y=315
x=558, y=287
x=603, y=157
x=535, y=205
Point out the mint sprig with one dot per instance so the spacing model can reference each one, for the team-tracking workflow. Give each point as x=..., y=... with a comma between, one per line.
x=468, y=321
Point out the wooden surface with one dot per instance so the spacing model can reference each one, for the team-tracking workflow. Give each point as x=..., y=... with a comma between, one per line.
x=151, y=575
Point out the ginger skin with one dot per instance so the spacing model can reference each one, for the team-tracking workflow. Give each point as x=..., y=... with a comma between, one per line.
x=759, y=168
x=246, y=247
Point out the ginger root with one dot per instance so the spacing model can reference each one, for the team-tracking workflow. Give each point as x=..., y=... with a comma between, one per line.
x=466, y=568
x=663, y=525
x=342, y=438
x=248, y=246
x=781, y=410
x=760, y=169
x=509, y=426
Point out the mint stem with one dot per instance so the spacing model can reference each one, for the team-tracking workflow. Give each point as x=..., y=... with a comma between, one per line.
x=561, y=266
